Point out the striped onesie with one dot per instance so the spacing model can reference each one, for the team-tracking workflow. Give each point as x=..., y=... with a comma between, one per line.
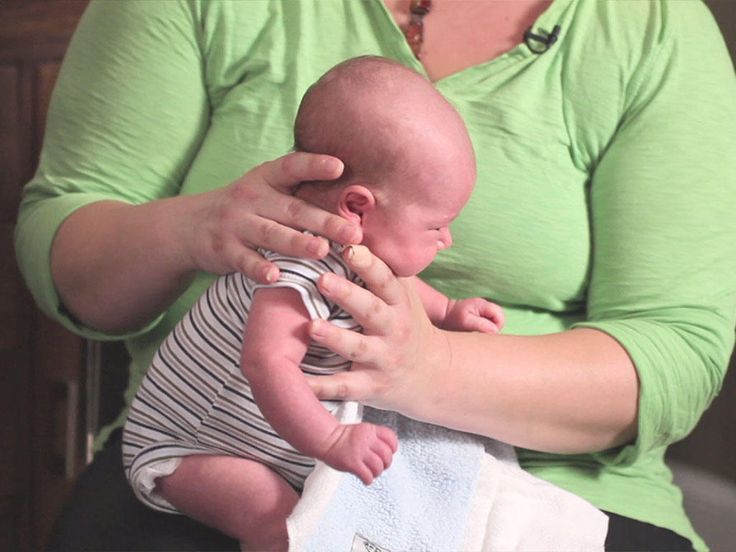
x=194, y=398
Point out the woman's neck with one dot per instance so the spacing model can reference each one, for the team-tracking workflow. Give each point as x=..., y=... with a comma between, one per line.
x=461, y=33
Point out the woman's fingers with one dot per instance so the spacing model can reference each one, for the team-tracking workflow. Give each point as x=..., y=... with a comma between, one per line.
x=284, y=173
x=390, y=355
x=247, y=261
x=269, y=234
x=282, y=219
x=343, y=386
x=222, y=229
x=353, y=346
x=295, y=167
x=376, y=275
x=370, y=306
x=367, y=309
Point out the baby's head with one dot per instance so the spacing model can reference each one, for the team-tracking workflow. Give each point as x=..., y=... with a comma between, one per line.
x=409, y=162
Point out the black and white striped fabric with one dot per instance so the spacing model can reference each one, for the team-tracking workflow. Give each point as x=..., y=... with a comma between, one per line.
x=194, y=398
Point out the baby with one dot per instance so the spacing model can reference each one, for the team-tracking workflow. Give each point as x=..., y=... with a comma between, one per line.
x=224, y=427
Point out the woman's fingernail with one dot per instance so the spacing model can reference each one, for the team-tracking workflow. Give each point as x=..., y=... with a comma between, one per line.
x=272, y=274
x=349, y=252
x=333, y=165
x=359, y=256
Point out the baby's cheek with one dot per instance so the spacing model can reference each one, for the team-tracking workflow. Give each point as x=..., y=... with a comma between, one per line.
x=421, y=260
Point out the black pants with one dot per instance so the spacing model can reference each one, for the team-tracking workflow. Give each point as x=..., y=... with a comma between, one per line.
x=103, y=514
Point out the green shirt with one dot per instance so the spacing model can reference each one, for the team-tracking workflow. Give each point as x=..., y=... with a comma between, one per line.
x=605, y=196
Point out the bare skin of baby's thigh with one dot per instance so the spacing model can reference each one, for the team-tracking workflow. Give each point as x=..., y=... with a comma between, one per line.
x=244, y=499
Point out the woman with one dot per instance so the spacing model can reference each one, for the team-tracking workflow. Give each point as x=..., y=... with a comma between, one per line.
x=601, y=221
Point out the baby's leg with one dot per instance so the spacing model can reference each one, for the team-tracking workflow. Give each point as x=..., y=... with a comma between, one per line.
x=242, y=498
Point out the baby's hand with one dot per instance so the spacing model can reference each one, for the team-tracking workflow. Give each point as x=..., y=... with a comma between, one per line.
x=364, y=450
x=473, y=315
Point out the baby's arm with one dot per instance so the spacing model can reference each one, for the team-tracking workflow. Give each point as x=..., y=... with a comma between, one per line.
x=274, y=345
x=471, y=315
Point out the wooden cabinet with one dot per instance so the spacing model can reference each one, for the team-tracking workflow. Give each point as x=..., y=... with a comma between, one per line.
x=41, y=365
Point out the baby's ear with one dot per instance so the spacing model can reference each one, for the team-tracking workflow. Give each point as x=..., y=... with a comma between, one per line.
x=355, y=201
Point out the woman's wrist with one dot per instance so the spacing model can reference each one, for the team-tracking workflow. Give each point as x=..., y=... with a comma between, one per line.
x=432, y=379
x=175, y=225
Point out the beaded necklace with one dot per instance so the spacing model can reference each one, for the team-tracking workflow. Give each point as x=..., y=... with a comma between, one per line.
x=414, y=31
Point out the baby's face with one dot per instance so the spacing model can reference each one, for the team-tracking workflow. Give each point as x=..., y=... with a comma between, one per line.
x=428, y=177
x=407, y=233
x=408, y=244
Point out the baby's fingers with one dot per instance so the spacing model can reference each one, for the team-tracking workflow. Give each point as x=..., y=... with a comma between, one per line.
x=365, y=473
x=386, y=445
x=378, y=460
x=494, y=314
x=388, y=437
x=484, y=325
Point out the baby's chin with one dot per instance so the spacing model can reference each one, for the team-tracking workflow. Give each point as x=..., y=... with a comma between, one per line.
x=408, y=271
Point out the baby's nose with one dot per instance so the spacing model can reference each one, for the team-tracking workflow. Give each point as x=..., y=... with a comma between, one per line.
x=445, y=239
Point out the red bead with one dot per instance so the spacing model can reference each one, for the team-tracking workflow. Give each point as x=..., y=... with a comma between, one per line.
x=414, y=34
x=414, y=31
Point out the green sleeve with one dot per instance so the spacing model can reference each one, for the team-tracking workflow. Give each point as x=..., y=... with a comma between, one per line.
x=663, y=280
x=126, y=118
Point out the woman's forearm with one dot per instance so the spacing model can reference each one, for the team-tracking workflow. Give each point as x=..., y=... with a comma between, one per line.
x=116, y=266
x=570, y=392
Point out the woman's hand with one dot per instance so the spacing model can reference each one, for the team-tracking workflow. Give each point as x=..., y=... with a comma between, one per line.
x=400, y=356
x=518, y=389
x=117, y=266
x=226, y=225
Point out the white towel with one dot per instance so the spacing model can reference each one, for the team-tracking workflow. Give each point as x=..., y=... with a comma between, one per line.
x=445, y=491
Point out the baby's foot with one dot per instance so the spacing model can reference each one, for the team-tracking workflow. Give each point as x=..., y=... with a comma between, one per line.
x=364, y=450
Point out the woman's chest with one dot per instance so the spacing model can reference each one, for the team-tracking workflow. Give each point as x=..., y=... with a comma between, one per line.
x=457, y=34
x=523, y=237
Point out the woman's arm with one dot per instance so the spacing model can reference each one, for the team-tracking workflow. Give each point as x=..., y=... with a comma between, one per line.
x=116, y=265
x=570, y=392
x=661, y=300
x=100, y=232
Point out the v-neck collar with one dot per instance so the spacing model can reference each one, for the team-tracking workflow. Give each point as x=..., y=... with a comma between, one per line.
x=546, y=21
